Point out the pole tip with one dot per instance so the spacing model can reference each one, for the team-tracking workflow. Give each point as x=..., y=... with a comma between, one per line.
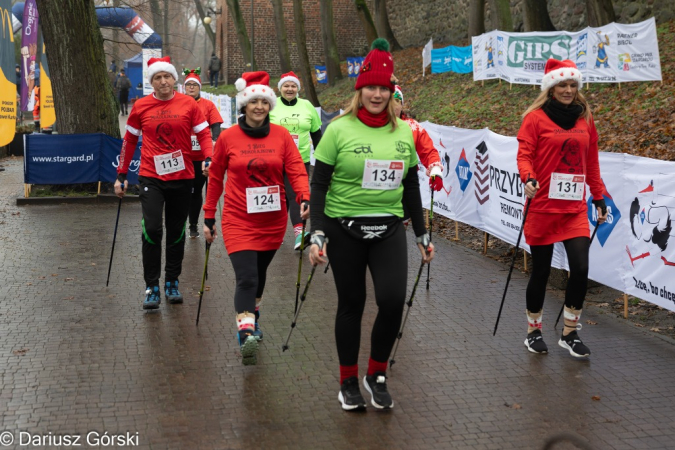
x=284, y=348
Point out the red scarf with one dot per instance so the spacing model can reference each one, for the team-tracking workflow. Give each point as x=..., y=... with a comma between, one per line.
x=373, y=120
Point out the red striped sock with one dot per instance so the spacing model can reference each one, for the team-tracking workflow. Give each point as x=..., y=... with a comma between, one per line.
x=348, y=372
x=297, y=229
x=375, y=366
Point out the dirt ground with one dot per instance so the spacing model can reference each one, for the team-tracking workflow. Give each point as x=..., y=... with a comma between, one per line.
x=604, y=299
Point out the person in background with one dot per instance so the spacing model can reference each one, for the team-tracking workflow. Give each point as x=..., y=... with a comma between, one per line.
x=214, y=70
x=300, y=118
x=123, y=85
x=193, y=85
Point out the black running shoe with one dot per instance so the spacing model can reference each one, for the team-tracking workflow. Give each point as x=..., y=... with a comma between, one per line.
x=350, y=395
x=376, y=385
x=535, y=342
x=572, y=343
x=193, y=232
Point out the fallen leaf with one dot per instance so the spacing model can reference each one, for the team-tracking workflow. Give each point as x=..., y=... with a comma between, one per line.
x=603, y=304
x=16, y=213
x=590, y=322
x=93, y=264
x=55, y=274
x=517, y=406
x=21, y=352
x=639, y=325
x=655, y=329
x=68, y=298
x=29, y=284
x=70, y=279
x=207, y=288
x=596, y=398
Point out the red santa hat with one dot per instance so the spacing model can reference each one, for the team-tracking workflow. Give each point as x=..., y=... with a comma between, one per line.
x=193, y=76
x=557, y=71
x=254, y=85
x=378, y=67
x=156, y=65
x=290, y=76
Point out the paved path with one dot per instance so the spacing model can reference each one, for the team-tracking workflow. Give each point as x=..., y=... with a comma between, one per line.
x=76, y=356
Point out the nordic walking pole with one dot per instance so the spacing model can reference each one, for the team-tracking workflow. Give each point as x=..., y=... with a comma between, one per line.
x=431, y=229
x=112, y=252
x=206, y=264
x=302, y=250
x=297, y=310
x=405, y=319
x=513, y=261
x=595, y=230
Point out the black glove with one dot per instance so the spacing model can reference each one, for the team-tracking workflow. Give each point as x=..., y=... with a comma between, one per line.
x=318, y=239
x=601, y=204
x=210, y=224
x=122, y=177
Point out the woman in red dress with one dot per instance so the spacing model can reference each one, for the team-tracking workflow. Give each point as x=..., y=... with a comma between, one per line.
x=256, y=155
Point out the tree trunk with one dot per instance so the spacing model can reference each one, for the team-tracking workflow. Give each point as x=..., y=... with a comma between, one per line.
x=382, y=24
x=600, y=12
x=500, y=15
x=476, y=18
x=366, y=20
x=240, y=26
x=157, y=22
x=535, y=16
x=166, y=28
x=282, y=36
x=301, y=39
x=329, y=47
x=73, y=37
x=115, y=42
x=207, y=28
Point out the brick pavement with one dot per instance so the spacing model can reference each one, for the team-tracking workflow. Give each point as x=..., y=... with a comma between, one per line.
x=76, y=356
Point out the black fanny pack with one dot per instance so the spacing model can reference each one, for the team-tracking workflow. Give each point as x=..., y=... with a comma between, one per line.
x=370, y=228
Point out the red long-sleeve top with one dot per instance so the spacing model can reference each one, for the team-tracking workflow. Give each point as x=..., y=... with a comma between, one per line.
x=211, y=114
x=424, y=145
x=253, y=162
x=544, y=148
x=166, y=126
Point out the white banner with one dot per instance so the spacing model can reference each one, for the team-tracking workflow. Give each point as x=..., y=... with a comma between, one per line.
x=633, y=252
x=614, y=53
x=426, y=55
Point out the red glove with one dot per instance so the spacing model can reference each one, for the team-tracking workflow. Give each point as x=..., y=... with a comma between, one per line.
x=436, y=183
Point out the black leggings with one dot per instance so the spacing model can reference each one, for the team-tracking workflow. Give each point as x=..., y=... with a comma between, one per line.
x=170, y=198
x=388, y=264
x=291, y=203
x=196, y=200
x=577, y=256
x=250, y=270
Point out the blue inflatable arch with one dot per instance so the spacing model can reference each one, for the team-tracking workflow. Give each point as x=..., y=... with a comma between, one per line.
x=124, y=18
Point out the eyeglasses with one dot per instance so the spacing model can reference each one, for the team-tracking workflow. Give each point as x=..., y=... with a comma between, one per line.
x=191, y=85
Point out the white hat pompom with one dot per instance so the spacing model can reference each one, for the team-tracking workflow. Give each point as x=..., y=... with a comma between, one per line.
x=240, y=84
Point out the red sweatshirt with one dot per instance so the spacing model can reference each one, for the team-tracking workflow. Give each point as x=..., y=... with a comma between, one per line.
x=166, y=126
x=212, y=116
x=254, y=163
x=424, y=145
x=545, y=148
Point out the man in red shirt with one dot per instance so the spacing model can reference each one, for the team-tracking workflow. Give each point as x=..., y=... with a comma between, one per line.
x=166, y=119
x=193, y=85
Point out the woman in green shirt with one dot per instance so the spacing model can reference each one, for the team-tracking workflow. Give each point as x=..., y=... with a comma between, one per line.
x=302, y=121
x=366, y=166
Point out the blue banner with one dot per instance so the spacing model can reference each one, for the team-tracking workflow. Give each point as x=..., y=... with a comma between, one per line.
x=451, y=59
x=74, y=159
x=321, y=75
x=110, y=158
x=462, y=60
x=354, y=66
